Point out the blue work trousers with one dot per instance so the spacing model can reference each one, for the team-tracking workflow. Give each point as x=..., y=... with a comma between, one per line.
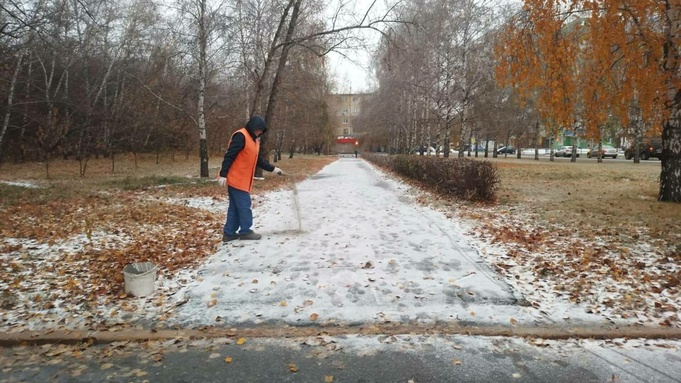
x=239, y=213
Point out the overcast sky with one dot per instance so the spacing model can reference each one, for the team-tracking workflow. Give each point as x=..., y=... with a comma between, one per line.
x=351, y=76
x=351, y=70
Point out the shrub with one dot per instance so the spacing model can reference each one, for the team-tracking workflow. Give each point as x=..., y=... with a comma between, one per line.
x=462, y=178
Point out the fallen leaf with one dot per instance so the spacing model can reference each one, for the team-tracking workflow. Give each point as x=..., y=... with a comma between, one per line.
x=228, y=359
x=456, y=362
x=283, y=304
x=139, y=373
x=212, y=303
x=241, y=341
x=314, y=317
x=292, y=367
x=513, y=321
x=328, y=378
x=106, y=366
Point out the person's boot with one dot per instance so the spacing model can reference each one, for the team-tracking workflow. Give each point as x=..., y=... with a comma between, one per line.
x=228, y=238
x=251, y=235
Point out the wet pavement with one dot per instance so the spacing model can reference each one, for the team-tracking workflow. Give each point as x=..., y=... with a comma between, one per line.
x=403, y=358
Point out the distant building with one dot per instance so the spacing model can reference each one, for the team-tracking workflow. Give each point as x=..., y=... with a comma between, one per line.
x=344, y=108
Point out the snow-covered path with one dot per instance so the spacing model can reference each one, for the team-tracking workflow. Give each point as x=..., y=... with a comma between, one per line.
x=366, y=253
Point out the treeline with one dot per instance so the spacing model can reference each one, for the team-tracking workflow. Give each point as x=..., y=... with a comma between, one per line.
x=437, y=86
x=80, y=79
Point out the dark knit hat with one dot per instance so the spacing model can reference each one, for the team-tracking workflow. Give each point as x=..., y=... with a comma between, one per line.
x=256, y=123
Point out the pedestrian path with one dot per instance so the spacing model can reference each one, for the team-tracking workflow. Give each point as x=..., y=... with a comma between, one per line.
x=366, y=253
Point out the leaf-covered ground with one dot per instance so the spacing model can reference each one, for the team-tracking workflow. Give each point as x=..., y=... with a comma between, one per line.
x=588, y=233
x=66, y=242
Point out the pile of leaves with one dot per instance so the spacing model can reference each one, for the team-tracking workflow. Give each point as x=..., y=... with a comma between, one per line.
x=68, y=255
x=461, y=178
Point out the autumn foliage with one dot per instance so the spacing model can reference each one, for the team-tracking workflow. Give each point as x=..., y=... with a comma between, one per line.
x=583, y=62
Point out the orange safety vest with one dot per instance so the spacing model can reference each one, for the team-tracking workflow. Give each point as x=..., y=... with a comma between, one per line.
x=240, y=175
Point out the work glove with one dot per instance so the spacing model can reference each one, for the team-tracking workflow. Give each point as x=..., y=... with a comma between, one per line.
x=278, y=171
x=222, y=181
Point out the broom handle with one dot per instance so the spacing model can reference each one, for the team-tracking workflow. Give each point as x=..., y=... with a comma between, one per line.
x=292, y=181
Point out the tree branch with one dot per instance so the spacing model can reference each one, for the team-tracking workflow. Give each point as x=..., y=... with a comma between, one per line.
x=163, y=100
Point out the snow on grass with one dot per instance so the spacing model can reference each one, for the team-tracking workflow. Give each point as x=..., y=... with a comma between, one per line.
x=369, y=251
x=47, y=288
x=570, y=276
x=23, y=184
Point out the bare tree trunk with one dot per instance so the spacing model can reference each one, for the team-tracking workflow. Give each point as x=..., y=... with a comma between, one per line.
x=10, y=99
x=47, y=165
x=203, y=42
x=573, y=157
x=462, y=136
x=270, y=59
x=158, y=108
x=670, y=175
x=274, y=92
x=638, y=128
x=536, y=141
x=22, y=132
x=508, y=134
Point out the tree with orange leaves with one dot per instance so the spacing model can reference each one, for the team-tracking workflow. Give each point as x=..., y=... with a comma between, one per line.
x=536, y=56
x=587, y=60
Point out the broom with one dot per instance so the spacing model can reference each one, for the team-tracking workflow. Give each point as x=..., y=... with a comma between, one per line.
x=296, y=203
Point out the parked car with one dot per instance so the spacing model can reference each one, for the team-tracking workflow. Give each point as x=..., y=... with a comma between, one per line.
x=565, y=151
x=428, y=151
x=506, y=149
x=606, y=151
x=649, y=149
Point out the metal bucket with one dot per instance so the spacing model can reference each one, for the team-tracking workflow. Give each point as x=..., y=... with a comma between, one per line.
x=140, y=278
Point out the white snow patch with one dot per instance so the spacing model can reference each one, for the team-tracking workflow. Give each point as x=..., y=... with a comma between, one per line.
x=23, y=184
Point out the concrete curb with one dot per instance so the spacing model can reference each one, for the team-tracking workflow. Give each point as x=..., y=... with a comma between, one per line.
x=105, y=337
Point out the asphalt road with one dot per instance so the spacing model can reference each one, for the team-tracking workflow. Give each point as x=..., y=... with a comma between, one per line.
x=406, y=358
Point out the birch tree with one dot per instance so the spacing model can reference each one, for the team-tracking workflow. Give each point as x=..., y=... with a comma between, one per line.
x=635, y=43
